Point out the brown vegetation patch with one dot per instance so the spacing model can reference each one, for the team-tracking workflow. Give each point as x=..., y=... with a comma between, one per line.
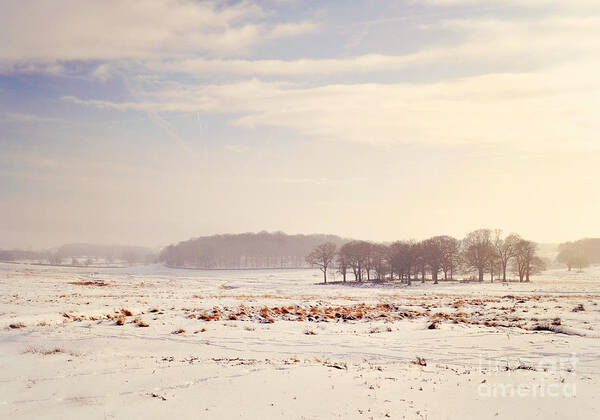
x=89, y=283
x=140, y=323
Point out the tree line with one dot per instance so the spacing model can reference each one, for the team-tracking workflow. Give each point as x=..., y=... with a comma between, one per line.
x=83, y=254
x=245, y=250
x=481, y=252
x=579, y=254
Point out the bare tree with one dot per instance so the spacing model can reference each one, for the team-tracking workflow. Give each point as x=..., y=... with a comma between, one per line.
x=322, y=256
x=477, y=250
x=353, y=257
x=341, y=263
x=450, y=255
x=401, y=257
x=358, y=257
x=505, y=249
x=493, y=265
x=527, y=262
x=434, y=255
x=365, y=251
x=379, y=259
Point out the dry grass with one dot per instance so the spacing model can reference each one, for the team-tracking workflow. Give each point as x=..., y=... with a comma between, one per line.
x=126, y=312
x=49, y=351
x=89, y=283
x=17, y=325
x=434, y=325
x=140, y=323
x=44, y=352
x=179, y=331
x=120, y=321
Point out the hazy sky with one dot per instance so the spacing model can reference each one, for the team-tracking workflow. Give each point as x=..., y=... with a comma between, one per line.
x=148, y=122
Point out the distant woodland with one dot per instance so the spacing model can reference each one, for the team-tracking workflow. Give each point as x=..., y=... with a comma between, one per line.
x=83, y=254
x=482, y=251
x=579, y=254
x=246, y=250
x=109, y=253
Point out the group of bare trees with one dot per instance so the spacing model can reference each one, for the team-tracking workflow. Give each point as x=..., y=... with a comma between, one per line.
x=482, y=251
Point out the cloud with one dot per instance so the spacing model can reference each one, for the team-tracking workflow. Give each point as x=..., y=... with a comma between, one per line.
x=15, y=117
x=44, y=31
x=556, y=106
x=517, y=44
x=554, y=4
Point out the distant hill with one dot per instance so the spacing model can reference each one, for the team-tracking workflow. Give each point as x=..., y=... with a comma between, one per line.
x=245, y=250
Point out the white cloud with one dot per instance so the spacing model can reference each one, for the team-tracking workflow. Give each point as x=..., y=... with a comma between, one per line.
x=485, y=42
x=556, y=4
x=554, y=106
x=50, y=31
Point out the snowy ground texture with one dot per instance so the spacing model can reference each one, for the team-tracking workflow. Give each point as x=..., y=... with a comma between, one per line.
x=151, y=342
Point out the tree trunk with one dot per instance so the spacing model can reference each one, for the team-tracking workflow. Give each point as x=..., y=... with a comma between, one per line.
x=325, y=275
x=481, y=274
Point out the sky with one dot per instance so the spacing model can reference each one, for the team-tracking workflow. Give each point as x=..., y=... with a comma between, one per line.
x=148, y=122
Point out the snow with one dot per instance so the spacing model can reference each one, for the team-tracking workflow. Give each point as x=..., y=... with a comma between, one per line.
x=484, y=359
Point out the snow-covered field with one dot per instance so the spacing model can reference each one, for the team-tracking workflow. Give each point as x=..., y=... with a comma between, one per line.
x=273, y=343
